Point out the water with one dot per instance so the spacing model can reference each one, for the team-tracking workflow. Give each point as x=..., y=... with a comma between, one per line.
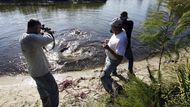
x=92, y=20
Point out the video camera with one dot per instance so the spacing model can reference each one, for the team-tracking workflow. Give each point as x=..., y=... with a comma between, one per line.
x=46, y=29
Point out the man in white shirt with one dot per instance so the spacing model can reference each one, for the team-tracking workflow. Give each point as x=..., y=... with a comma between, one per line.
x=127, y=25
x=32, y=43
x=115, y=51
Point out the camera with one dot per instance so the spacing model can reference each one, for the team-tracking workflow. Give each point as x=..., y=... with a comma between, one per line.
x=46, y=29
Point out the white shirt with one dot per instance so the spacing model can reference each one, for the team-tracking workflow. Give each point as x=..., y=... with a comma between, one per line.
x=31, y=45
x=118, y=44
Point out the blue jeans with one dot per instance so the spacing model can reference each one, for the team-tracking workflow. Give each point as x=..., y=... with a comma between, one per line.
x=48, y=90
x=110, y=66
x=129, y=56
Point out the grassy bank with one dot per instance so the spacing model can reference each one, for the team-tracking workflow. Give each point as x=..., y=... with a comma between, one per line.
x=173, y=91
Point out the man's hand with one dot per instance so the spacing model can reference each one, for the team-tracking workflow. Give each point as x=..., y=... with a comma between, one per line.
x=106, y=41
x=105, y=46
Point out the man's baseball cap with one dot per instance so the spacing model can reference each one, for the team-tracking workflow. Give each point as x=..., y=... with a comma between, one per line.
x=124, y=15
x=116, y=22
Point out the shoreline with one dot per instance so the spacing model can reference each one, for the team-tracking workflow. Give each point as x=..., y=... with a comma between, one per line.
x=13, y=89
x=20, y=90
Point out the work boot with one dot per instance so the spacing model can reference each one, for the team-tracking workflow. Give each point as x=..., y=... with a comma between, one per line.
x=115, y=73
x=119, y=89
x=130, y=76
x=111, y=99
x=131, y=73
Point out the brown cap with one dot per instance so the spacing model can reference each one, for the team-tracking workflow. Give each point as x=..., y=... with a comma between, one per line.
x=116, y=23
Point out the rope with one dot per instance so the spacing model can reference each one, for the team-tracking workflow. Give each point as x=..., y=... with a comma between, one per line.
x=69, y=86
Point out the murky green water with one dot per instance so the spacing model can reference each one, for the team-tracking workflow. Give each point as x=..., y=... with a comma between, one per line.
x=94, y=18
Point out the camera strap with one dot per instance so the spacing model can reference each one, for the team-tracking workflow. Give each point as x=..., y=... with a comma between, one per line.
x=53, y=41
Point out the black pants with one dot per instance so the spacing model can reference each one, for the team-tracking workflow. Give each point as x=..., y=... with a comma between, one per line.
x=48, y=90
x=129, y=56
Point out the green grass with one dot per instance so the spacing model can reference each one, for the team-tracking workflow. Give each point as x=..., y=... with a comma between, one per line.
x=136, y=93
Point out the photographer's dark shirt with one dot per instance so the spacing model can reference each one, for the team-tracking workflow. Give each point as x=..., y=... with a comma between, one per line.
x=128, y=26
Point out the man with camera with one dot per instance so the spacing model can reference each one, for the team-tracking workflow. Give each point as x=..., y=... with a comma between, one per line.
x=32, y=43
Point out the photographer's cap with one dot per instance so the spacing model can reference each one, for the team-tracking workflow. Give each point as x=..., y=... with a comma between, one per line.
x=124, y=15
x=116, y=22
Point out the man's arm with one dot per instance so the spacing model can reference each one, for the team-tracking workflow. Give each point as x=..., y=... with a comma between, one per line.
x=120, y=49
x=41, y=40
x=129, y=27
x=118, y=57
